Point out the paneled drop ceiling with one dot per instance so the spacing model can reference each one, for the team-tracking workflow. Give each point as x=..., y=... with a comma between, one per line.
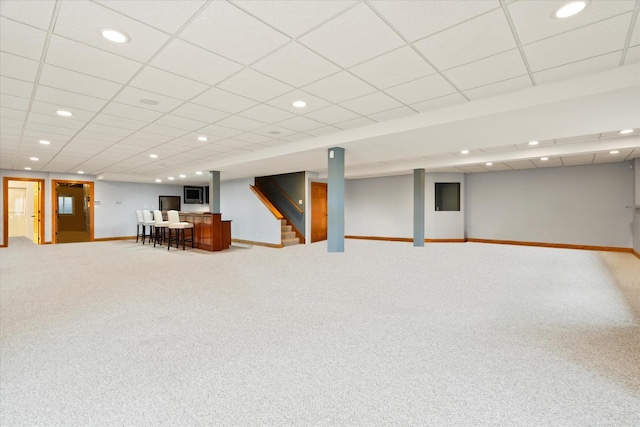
x=399, y=84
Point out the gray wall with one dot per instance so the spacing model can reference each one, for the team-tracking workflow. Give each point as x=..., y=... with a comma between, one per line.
x=582, y=205
x=636, y=203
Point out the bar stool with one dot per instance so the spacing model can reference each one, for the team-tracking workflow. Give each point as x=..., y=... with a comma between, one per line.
x=160, y=226
x=140, y=223
x=175, y=224
x=148, y=222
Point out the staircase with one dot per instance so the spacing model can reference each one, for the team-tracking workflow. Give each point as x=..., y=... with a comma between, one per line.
x=288, y=236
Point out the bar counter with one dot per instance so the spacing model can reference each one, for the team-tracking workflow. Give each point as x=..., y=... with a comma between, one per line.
x=210, y=232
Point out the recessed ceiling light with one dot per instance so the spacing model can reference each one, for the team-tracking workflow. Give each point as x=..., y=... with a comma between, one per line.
x=64, y=113
x=533, y=143
x=149, y=101
x=570, y=9
x=34, y=159
x=464, y=152
x=626, y=131
x=44, y=142
x=299, y=104
x=81, y=172
x=198, y=172
x=274, y=132
x=158, y=180
x=114, y=35
x=171, y=178
x=153, y=156
x=489, y=163
x=544, y=159
x=614, y=152
x=27, y=168
x=182, y=176
x=203, y=138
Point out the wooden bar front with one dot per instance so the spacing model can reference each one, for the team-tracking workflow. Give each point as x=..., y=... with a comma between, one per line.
x=209, y=231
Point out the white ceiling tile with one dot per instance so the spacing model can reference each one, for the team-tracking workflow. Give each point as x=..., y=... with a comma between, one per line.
x=606, y=157
x=108, y=120
x=221, y=131
x=296, y=65
x=339, y=87
x=418, y=19
x=10, y=101
x=285, y=102
x=300, y=124
x=266, y=113
x=393, y=68
x=253, y=85
x=533, y=19
x=180, y=122
x=132, y=96
x=165, y=15
x=23, y=11
x=392, y=114
x=240, y=123
x=275, y=143
x=520, y=164
x=474, y=168
x=8, y=122
x=80, y=21
x=159, y=81
x=191, y=141
x=18, y=67
x=96, y=137
x=633, y=55
x=293, y=17
x=223, y=101
x=15, y=87
x=228, y=31
x=68, y=99
x=425, y=88
x=36, y=136
x=506, y=86
x=194, y=62
x=579, y=44
x=76, y=82
x=581, y=159
x=49, y=110
x=150, y=136
x=635, y=36
x=200, y=113
x=268, y=131
x=21, y=39
x=252, y=138
x=489, y=70
x=296, y=137
x=232, y=143
x=85, y=59
x=552, y=162
x=578, y=68
x=498, y=167
x=332, y=114
x=55, y=130
x=475, y=39
x=372, y=103
x=10, y=113
x=128, y=111
x=164, y=130
x=441, y=102
x=353, y=37
x=108, y=130
x=355, y=123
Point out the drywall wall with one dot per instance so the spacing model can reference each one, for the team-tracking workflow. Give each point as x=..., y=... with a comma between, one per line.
x=582, y=205
x=443, y=224
x=636, y=204
x=251, y=220
x=286, y=191
x=379, y=207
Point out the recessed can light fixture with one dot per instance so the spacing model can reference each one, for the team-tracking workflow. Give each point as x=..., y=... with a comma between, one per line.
x=299, y=104
x=149, y=101
x=198, y=172
x=153, y=156
x=64, y=113
x=34, y=159
x=274, y=132
x=203, y=138
x=544, y=159
x=489, y=163
x=158, y=180
x=626, y=131
x=44, y=142
x=464, y=151
x=171, y=178
x=570, y=9
x=114, y=35
x=81, y=172
x=614, y=152
x=534, y=142
x=182, y=176
x=27, y=168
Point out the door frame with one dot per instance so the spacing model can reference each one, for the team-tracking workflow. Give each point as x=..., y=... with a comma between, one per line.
x=54, y=206
x=5, y=207
x=312, y=183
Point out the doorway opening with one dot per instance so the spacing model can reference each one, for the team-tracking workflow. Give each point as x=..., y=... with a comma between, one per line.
x=72, y=207
x=23, y=209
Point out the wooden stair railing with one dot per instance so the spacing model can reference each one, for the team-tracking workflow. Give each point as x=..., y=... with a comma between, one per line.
x=274, y=211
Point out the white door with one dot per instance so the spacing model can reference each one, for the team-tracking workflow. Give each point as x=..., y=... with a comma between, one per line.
x=17, y=212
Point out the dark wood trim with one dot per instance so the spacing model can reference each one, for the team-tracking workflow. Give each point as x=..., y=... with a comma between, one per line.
x=636, y=253
x=54, y=206
x=251, y=242
x=5, y=206
x=108, y=239
x=445, y=240
x=274, y=211
x=552, y=245
x=386, y=239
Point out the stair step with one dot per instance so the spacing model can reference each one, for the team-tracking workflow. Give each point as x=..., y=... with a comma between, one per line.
x=290, y=242
x=288, y=234
x=285, y=228
x=283, y=221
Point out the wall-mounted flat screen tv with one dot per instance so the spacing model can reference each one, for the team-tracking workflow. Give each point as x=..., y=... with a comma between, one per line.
x=193, y=195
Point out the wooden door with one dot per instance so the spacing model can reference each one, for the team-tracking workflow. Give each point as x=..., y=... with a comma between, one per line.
x=72, y=218
x=318, y=211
